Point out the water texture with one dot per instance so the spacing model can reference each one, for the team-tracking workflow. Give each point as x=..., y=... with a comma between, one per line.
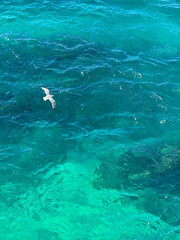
x=106, y=163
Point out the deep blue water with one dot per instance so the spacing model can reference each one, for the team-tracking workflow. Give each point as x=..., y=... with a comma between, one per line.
x=106, y=163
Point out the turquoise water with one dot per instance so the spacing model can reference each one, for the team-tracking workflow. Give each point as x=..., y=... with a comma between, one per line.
x=106, y=163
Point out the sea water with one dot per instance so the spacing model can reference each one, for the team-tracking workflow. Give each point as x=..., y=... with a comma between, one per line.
x=106, y=163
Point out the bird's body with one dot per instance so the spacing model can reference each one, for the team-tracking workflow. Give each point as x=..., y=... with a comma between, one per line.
x=49, y=97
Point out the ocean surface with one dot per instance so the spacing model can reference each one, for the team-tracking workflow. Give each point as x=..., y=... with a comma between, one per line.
x=105, y=165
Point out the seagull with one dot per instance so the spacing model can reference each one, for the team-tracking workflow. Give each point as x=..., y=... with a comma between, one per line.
x=49, y=97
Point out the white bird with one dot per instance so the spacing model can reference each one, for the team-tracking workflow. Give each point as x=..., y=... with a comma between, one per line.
x=49, y=97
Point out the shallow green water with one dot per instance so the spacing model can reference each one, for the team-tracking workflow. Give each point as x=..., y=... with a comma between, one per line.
x=105, y=164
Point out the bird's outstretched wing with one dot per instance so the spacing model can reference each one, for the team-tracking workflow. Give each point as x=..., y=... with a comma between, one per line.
x=45, y=90
x=53, y=102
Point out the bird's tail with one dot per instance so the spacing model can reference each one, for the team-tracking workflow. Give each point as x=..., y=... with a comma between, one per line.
x=45, y=98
